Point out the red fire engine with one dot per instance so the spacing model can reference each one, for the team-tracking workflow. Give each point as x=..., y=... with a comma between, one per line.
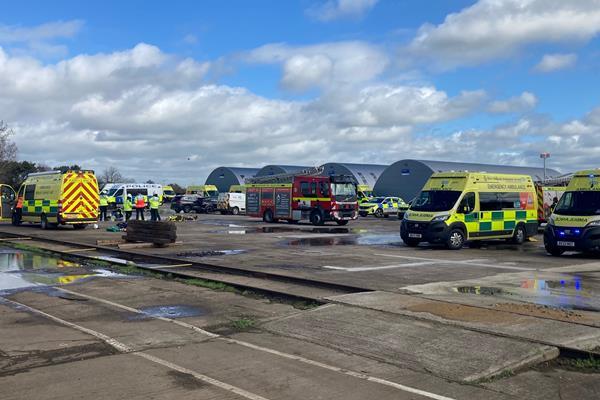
x=307, y=195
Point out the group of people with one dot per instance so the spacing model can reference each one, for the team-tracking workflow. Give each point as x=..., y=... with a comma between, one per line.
x=130, y=203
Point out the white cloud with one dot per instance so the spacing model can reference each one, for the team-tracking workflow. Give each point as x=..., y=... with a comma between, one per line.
x=524, y=102
x=492, y=29
x=40, y=39
x=321, y=65
x=135, y=109
x=338, y=9
x=555, y=62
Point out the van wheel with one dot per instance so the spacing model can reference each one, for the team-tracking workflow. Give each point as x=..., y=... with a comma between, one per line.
x=235, y=211
x=316, y=218
x=456, y=239
x=187, y=209
x=342, y=223
x=379, y=213
x=44, y=222
x=520, y=235
x=268, y=216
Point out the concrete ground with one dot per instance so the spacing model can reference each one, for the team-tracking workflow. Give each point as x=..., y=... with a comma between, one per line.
x=492, y=321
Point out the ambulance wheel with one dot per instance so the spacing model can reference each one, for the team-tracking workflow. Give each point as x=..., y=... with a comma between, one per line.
x=16, y=221
x=553, y=250
x=520, y=235
x=379, y=213
x=456, y=239
x=235, y=211
x=411, y=242
x=316, y=218
x=268, y=216
x=44, y=222
x=342, y=223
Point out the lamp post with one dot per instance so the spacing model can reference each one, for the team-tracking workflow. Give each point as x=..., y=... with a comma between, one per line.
x=544, y=156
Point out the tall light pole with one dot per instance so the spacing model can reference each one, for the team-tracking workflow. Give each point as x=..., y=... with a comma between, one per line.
x=544, y=156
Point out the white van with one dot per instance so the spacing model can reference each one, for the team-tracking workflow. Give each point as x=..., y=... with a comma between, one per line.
x=231, y=203
x=116, y=192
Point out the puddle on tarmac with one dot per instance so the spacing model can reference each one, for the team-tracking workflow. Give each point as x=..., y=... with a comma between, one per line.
x=359, y=240
x=170, y=311
x=570, y=293
x=481, y=290
x=287, y=229
x=22, y=269
x=210, y=253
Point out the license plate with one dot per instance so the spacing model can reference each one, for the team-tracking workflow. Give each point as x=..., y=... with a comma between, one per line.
x=566, y=244
x=415, y=235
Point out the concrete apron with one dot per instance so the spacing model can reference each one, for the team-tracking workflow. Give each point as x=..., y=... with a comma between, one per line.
x=444, y=350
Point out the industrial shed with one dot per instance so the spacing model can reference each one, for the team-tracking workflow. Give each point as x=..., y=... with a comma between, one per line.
x=406, y=178
x=279, y=169
x=365, y=174
x=224, y=177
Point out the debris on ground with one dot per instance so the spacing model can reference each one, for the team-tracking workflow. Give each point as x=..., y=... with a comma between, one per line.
x=182, y=218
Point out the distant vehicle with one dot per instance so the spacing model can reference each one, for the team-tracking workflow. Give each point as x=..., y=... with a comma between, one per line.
x=364, y=193
x=204, y=191
x=168, y=193
x=383, y=207
x=548, y=197
x=8, y=198
x=575, y=222
x=53, y=198
x=232, y=203
x=116, y=192
x=237, y=189
x=454, y=207
x=300, y=196
x=188, y=203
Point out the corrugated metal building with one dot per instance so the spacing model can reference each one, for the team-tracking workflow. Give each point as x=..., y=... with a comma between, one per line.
x=406, y=178
x=224, y=177
x=365, y=174
x=279, y=169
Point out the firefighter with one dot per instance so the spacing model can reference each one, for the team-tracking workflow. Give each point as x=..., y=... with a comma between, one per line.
x=154, y=204
x=128, y=207
x=140, y=204
x=103, y=207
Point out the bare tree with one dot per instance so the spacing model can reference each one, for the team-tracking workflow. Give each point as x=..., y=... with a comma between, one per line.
x=8, y=149
x=110, y=175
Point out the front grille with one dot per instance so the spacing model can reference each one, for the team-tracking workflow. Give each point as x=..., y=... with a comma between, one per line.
x=417, y=226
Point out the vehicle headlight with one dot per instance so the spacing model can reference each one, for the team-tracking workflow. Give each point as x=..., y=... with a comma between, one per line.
x=440, y=218
x=594, y=223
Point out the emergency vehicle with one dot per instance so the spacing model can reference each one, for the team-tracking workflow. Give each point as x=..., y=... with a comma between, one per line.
x=203, y=191
x=54, y=198
x=575, y=222
x=306, y=195
x=454, y=207
x=168, y=193
x=116, y=192
x=364, y=193
x=383, y=207
x=7, y=202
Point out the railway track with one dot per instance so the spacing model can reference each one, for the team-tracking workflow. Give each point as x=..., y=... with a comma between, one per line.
x=265, y=283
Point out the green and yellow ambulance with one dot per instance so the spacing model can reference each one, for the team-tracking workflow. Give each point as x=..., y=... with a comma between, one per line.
x=364, y=193
x=575, y=222
x=455, y=207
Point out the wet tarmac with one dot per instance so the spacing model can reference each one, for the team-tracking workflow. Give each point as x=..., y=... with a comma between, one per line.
x=356, y=240
x=22, y=269
x=209, y=253
x=169, y=311
x=241, y=230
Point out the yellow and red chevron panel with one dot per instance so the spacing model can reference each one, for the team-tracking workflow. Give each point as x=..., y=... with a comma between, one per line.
x=80, y=195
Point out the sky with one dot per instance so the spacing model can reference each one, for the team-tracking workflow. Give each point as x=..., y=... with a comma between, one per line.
x=169, y=91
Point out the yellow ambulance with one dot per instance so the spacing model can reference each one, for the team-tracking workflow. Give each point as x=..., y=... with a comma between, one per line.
x=575, y=222
x=7, y=202
x=455, y=207
x=54, y=198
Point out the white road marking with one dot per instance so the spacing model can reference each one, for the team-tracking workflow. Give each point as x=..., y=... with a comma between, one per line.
x=126, y=349
x=393, y=266
x=465, y=262
x=294, y=357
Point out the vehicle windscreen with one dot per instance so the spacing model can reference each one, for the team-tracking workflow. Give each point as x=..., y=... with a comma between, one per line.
x=579, y=203
x=212, y=193
x=343, y=191
x=169, y=192
x=377, y=200
x=112, y=192
x=435, y=200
